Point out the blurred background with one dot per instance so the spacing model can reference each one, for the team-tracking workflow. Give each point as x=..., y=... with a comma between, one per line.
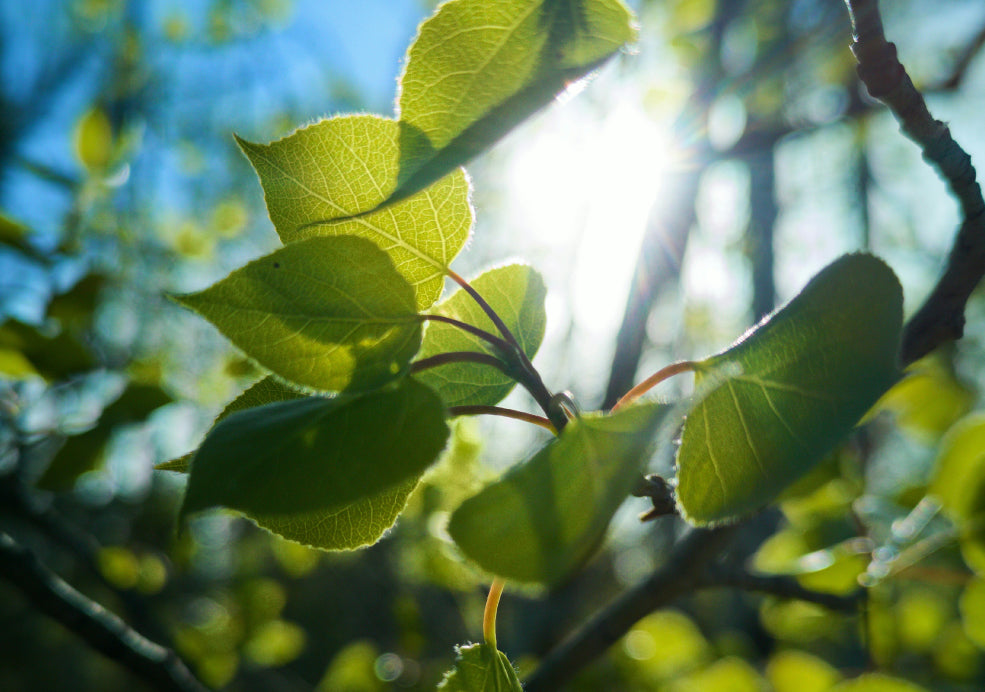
x=691, y=186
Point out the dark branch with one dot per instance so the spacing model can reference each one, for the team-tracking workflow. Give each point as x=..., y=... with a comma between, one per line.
x=100, y=629
x=780, y=585
x=941, y=318
x=677, y=577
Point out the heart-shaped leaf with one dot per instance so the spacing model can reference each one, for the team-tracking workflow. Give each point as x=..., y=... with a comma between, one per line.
x=327, y=178
x=479, y=67
x=547, y=515
x=790, y=390
x=317, y=454
x=331, y=314
x=516, y=292
x=481, y=668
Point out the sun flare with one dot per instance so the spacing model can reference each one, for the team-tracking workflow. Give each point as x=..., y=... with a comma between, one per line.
x=584, y=187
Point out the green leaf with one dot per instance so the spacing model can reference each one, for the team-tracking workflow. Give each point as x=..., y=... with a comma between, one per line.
x=328, y=178
x=266, y=391
x=481, y=668
x=479, y=67
x=547, y=516
x=972, y=605
x=516, y=292
x=354, y=525
x=877, y=682
x=959, y=471
x=331, y=314
x=790, y=390
x=293, y=457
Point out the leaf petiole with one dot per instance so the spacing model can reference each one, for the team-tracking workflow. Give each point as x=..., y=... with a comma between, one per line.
x=489, y=614
x=505, y=413
x=504, y=347
x=653, y=380
x=460, y=357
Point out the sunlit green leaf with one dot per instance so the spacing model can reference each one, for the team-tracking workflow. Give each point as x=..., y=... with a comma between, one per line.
x=328, y=178
x=729, y=674
x=516, y=292
x=929, y=399
x=266, y=391
x=790, y=390
x=547, y=515
x=973, y=611
x=479, y=67
x=959, y=472
x=481, y=668
x=792, y=670
x=877, y=682
x=293, y=457
x=331, y=314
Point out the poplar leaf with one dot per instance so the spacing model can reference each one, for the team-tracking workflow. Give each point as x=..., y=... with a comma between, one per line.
x=331, y=314
x=546, y=516
x=790, y=390
x=285, y=459
x=479, y=67
x=330, y=178
x=481, y=668
x=516, y=292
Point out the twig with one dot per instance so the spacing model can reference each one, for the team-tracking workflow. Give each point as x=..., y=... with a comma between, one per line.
x=780, y=585
x=677, y=577
x=941, y=318
x=100, y=629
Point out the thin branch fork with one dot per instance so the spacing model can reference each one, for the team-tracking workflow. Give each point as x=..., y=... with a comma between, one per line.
x=158, y=666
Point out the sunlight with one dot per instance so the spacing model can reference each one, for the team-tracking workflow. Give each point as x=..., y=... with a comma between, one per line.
x=584, y=188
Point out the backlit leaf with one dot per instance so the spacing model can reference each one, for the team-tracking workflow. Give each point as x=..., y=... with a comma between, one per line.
x=331, y=314
x=354, y=525
x=481, y=668
x=328, y=178
x=293, y=457
x=877, y=682
x=479, y=67
x=959, y=472
x=546, y=516
x=790, y=390
x=516, y=292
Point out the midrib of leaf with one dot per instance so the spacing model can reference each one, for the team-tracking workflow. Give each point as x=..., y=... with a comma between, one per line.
x=358, y=218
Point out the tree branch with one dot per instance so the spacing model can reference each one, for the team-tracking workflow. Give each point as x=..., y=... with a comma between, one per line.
x=941, y=318
x=102, y=630
x=780, y=585
x=677, y=577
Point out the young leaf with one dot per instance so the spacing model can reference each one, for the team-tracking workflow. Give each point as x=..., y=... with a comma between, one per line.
x=328, y=178
x=311, y=454
x=546, y=516
x=481, y=668
x=331, y=314
x=516, y=292
x=479, y=67
x=266, y=391
x=790, y=390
